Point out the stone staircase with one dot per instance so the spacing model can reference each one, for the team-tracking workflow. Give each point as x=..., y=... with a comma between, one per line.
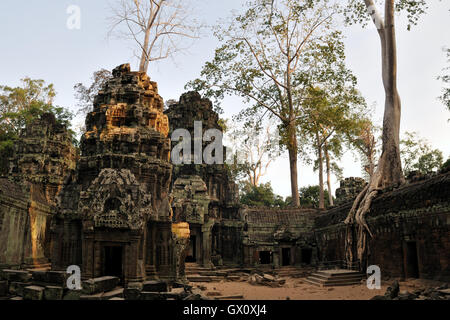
x=336, y=277
x=293, y=272
x=197, y=273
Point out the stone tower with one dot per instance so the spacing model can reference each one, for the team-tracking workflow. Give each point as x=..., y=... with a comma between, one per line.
x=120, y=196
x=205, y=195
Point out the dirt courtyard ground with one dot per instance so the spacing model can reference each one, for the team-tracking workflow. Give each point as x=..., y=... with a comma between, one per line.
x=297, y=289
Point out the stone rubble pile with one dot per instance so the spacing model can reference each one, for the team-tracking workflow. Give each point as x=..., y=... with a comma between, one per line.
x=393, y=293
x=266, y=279
x=52, y=285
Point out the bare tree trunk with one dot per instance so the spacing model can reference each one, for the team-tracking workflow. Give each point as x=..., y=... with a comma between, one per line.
x=389, y=171
x=390, y=163
x=143, y=64
x=293, y=153
x=320, y=158
x=327, y=161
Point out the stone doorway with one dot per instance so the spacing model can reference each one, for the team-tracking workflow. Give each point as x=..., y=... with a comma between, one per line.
x=285, y=256
x=113, y=261
x=412, y=261
x=191, y=255
x=264, y=257
x=306, y=255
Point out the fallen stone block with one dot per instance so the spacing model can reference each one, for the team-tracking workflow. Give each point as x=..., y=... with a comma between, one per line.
x=445, y=292
x=3, y=288
x=155, y=286
x=233, y=297
x=117, y=299
x=33, y=293
x=132, y=294
x=405, y=295
x=16, y=298
x=178, y=291
x=16, y=275
x=151, y=296
x=57, y=277
x=213, y=294
x=268, y=277
x=117, y=293
x=392, y=291
x=16, y=288
x=39, y=276
x=93, y=297
x=98, y=285
x=175, y=294
x=73, y=295
x=193, y=296
x=53, y=293
x=181, y=285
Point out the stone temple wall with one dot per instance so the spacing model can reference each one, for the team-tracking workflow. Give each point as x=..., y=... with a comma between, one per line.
x=44, y=159
x=286, y=234
x=411, y=228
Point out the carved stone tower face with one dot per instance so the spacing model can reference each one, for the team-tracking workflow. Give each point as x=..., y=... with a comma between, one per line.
x=128, y=130
x=125, y=173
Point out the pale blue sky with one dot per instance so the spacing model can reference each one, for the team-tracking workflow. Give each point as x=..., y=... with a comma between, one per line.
x=35, y=42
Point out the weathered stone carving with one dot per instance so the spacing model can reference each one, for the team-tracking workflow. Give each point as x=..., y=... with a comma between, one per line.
x=205, y=195
x=116, y=200
x=124, y=175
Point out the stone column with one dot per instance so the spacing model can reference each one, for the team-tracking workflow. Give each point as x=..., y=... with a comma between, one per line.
x=207, y=240
x=133, y=270
x=55, y=235
x=88, y=255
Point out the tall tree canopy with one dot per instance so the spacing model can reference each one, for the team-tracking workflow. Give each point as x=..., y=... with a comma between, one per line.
x=445, y=98
x=260, y=196
x=418, y=155
x=330, y=116
x=270, y=55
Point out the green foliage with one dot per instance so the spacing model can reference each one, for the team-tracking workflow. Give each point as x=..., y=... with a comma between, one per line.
x=446, y=165
x=20, y=106
x=365, y=138
x=355, y=11
x=309, y=197
x=254, y=146
x=418, y=155
x=258, y=48
x=262, y=195
x=445, y=98
x=85, y=95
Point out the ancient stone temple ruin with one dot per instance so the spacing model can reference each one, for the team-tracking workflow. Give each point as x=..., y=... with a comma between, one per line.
x=119, y=208
x=43, y=158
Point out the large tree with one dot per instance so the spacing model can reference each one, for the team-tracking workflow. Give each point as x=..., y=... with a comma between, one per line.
x=418, y=155
x=267, y=55
x=254, y=146
x=158, y=28
x=389, y=169
x=445, y=77
x=329, y=117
